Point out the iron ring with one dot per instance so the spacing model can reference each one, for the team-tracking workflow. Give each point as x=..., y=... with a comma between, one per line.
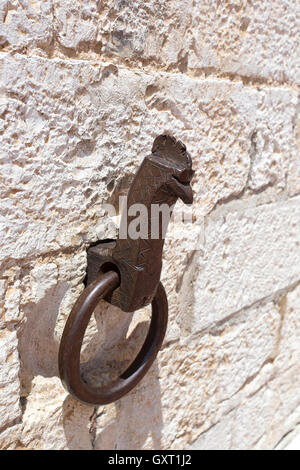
x=73, y=334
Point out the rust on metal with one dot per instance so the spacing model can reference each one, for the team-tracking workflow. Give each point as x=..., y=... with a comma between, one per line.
x=126, y=272
x=69, y=354
x=163, y=177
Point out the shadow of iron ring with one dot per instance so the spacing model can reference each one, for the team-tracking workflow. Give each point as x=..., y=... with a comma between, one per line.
x=70, y=347
x=130, y=277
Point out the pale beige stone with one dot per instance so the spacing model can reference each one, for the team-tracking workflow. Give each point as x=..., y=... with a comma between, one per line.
x=79, y=117
x=10, y=410
x=218, y=437
x=273, y=139
x=282, y=407
x=255, y=39
x=291, y=441
x=52, y=420
x=294, y=169
x=288, y=350
x=207, y=376
x=50, y=288
x=12, y=303
x=240, y=265
x=253, y=420
x=85, y=86
x=26, y=24
x=9, y=439
x=153, y=32
x=10, y=294
x=252, y=39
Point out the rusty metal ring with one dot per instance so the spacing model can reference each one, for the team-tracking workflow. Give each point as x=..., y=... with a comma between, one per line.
x=69, y=352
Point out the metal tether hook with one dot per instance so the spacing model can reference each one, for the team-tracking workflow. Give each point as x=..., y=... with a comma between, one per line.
x=130, y=277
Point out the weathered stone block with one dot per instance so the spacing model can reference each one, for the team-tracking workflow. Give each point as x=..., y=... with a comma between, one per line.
x=54, y=421
x=204, y=377
x=294, y=167
x=10, y=410
x=249, y=254
x=73, y=133
x=26, y=25
x=85, y=86
x=256, y=39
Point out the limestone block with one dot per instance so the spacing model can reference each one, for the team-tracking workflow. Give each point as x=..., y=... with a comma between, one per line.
x=26, y=25
x=253, y=420
x=192, y=386
x=74, y=133
x=12, y=303
x=218, y=437
x=10, y=410
x=85, y=86
x=294, y=168
x=294, y=174
x=76, y=22
x=3, y=284
x=52, y=420
x=288, y=348
x=256, y=39
x=205, y=377
x=50, y=287
x=9, y=439
x=249, y=254
x=136, y=420
x=43, y=278
x=281, y=410
x=10, y=294
x=291, y=441
x=273, y=139
x=147, y=32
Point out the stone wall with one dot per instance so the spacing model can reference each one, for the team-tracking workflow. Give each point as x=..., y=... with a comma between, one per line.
x=85, y=87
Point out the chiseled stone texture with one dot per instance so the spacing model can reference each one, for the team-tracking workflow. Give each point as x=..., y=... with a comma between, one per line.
x=239, y=264
x=73, y=133
x=294, y=170
x=251, y=38
x=10, y=410
x=62, y=421
x=85, y=87
x=270, y=407
x=26, y=24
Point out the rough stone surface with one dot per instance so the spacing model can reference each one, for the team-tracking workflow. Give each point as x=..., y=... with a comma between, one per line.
x=254, y=39
x=239, y=265
x=73, y=130
x=10, y=410
x=294, y=170
x=26, y=25
x=291, y=441
x=85, y=86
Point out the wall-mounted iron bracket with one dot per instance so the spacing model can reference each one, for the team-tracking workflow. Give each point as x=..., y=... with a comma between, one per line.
x=126, y=272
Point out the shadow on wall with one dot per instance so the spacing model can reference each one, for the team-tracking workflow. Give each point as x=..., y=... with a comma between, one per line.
x=113, y=339
x=134, y=422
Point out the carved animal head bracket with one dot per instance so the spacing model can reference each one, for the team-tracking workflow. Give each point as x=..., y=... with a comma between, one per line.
x=127, y=272
x=163, y=177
